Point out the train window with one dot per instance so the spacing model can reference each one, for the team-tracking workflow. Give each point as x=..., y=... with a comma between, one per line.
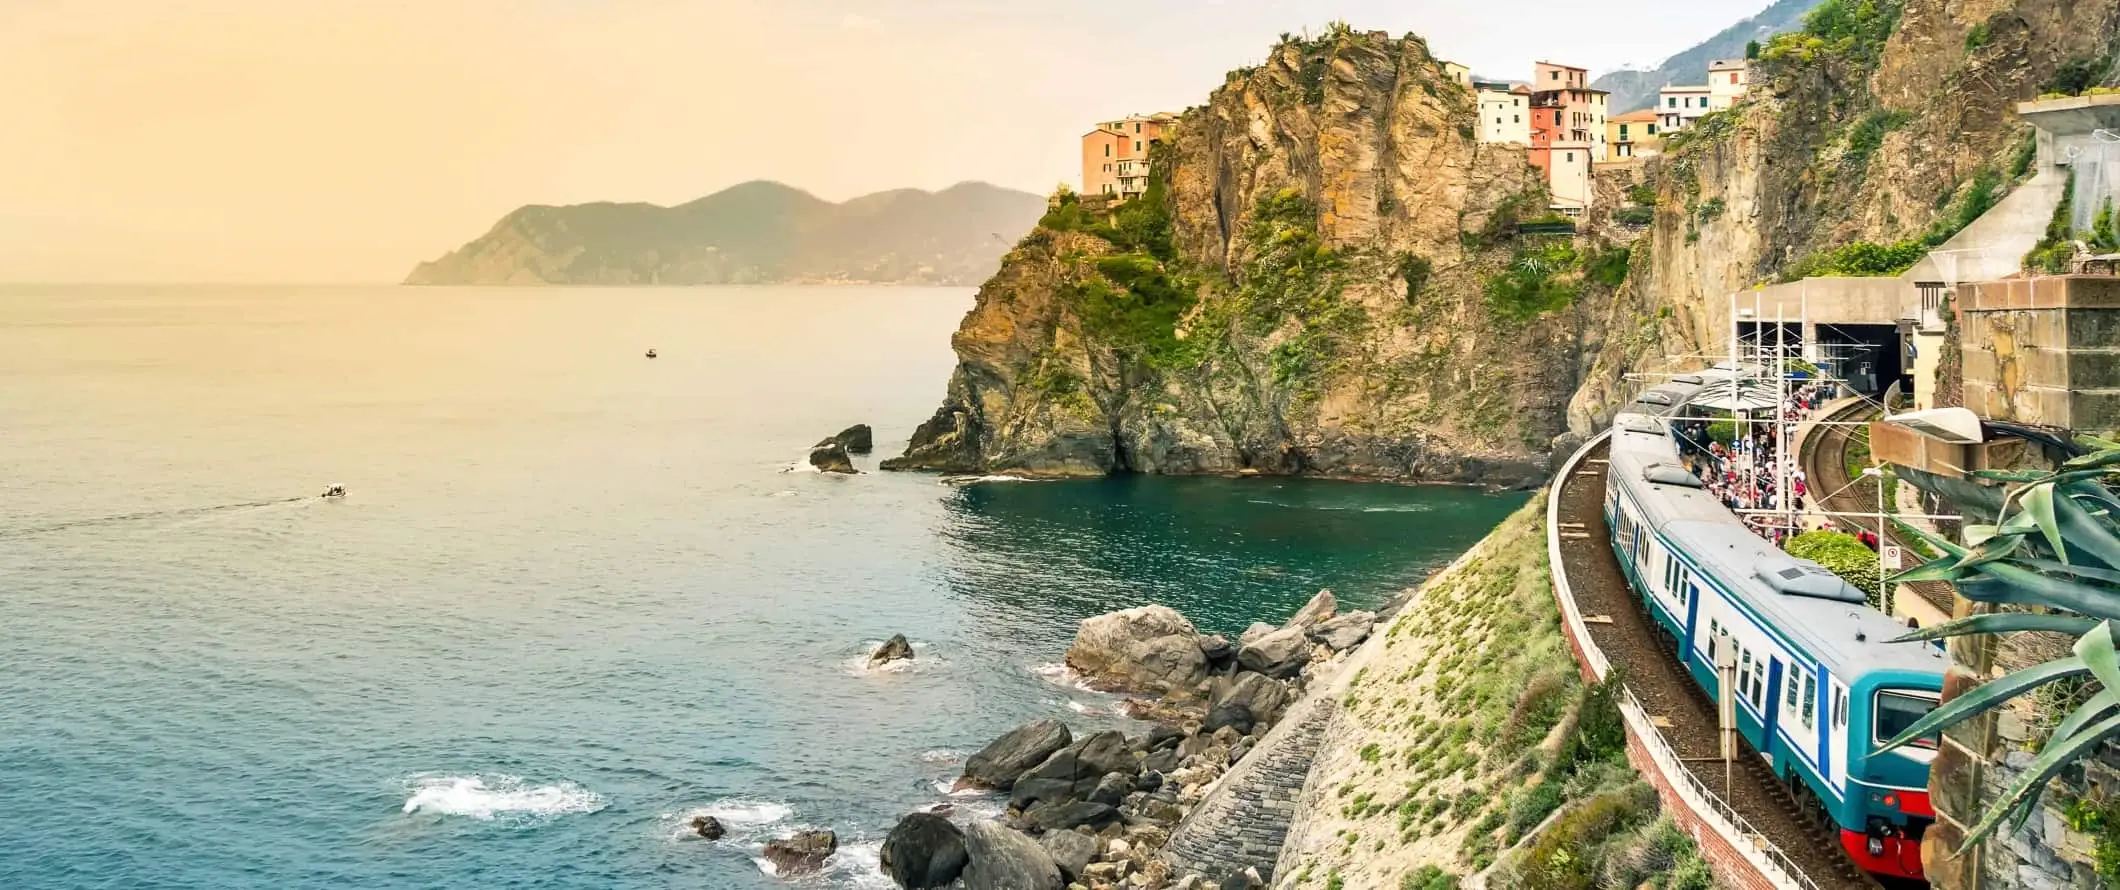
x=1896, y=712
x=1840, y=707
x=1788, y=701
x=1744, y=673
x=1810, y=697
x=1714, y=631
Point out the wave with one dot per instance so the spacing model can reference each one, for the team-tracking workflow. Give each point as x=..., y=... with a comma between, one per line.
x=977, y=480
x=1062, y=675
x=119, y=518
x=859, y=666
x=1344, y=508
x=941, y=755
x=508, y=796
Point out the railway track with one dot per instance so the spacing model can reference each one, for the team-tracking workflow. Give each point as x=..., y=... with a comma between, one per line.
x=1683, y=712
x=1825, y=463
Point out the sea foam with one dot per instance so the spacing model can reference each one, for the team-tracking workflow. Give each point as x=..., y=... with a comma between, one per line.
x=484, y=799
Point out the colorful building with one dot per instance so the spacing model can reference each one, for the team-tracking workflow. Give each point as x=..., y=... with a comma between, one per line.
x=1505, y=112
x=1458, y=73
x=1567, y=168
x=1115, y=154
x=1679, y=106
x=1564, y=109
x=1633, y=135
x=1727, y=81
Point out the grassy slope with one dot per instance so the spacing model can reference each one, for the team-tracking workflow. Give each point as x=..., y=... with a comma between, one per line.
x=1462, y=732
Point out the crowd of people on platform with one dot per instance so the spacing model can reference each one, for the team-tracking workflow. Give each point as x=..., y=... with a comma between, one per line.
x=1744, y=469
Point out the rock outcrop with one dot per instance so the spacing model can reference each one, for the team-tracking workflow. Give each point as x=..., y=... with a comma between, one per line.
x=923, y=851
x=802, y=853
x=1002, y=858
x=894, y=649
x=856, y=439
x=831, y=457
x=1305, y=289
x=1151, y=649
x=998, y=765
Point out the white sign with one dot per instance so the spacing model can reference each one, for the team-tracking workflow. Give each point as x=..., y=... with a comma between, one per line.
x=1891, y=557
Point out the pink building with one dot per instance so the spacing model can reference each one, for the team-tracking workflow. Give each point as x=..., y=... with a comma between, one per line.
x=1115, y=154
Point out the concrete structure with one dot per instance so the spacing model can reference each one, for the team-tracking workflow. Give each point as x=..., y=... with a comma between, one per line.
x=1115, y=154
x=1632, y=135
x=1505, y=113
x=1243, y=819
x=2083, y=134
x=1680, y=106
x=2043, y=350
x=1728, y=79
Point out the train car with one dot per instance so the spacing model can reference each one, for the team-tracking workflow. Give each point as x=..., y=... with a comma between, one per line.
x=1818, y=687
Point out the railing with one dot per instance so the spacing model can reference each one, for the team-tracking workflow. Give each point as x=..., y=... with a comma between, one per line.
x=1713, y=811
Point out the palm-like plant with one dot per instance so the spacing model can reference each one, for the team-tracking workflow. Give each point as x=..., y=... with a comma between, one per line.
x=2056, y=546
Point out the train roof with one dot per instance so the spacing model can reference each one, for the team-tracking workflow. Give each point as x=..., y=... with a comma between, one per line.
x=1801, y=599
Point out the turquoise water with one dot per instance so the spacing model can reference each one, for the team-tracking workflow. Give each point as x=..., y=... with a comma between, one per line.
x=572, y=598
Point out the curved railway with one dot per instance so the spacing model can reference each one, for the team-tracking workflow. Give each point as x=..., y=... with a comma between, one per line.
x=1823, y=453
x=1684, y=717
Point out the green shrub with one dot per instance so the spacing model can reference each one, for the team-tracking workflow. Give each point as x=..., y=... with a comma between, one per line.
x=1539, y=279
x=2027, y=152
x=1414, y=270
x=1710, y=209
x=2053, y=252
x=1842, y=554
x=1428, y=877
x=1608, y=267
x=1861, y=259
x=1751, y=49
x=1634, y=216
x=2076, y=76
x=1569, y=855
x=1644, y=194
x=1867, y=135
x=1977, y=37
x=2102, y=237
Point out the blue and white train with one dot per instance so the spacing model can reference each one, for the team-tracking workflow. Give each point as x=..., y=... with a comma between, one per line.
x=1819, y=688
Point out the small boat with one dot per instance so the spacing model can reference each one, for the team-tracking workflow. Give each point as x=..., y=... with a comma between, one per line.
x=651, y=353
x=335, y=491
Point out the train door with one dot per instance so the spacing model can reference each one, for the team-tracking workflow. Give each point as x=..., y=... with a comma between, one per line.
x=1769, y=716
x=1835, y=765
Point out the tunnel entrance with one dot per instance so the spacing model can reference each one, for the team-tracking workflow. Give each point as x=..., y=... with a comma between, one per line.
x=1870, y=357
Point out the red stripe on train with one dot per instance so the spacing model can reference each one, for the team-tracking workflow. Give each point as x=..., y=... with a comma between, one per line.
x=1899, y=857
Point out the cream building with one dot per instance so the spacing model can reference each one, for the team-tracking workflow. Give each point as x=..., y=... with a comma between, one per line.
x=1115, y=154
x=1678, y=107
x=1505, y=115
x=1728, y=79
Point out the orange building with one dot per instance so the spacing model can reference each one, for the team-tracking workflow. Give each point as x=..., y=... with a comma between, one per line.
x=1115, y=154
x=1565, y=109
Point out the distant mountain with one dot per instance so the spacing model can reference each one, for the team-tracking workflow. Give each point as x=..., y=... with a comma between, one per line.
x=1636, y=90
x=755, y=233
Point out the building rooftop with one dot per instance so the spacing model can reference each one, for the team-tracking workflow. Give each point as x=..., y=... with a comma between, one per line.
x=1727, y=64
x=1644, y=116
x=1689, y=88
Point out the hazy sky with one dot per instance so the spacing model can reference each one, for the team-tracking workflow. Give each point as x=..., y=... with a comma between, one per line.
x=335, y=140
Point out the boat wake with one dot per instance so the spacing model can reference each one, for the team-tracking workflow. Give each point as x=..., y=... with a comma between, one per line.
x=142, y=516
x=502, y=797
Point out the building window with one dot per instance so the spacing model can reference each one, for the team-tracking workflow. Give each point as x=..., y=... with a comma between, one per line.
x=1514, y=119
x=1670, y=103
x=1107, y=149
x=1556, y=75
x=1137, y=128
x=1137, y=145
x=1568, y=156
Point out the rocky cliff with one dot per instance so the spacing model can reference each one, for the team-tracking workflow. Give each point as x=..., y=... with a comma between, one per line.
x=756, y=233
x=1877, y=130
x=1327, y=277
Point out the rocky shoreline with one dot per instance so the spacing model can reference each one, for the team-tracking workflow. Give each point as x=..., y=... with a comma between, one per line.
x=1094, y=811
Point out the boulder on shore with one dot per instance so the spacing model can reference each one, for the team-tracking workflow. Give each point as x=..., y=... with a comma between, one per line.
x=802, y=853
x=1321, y=607
x=1072, y=851
x=998, y=765
x=894, y=649
x=1072, y=773
x=924, y=851
x=1262, y=695
x=1254, y=632
x=1002, y=858
x=1343, y=632
x=831, y=457
x=1280, y=655
x=856, y=439
x=708, y=827
x=1148, y=649
x=1078, y=813
x=1235, y=715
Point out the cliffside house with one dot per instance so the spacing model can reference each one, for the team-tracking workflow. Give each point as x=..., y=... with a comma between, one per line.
x=1564, y=105
x=1727, y=81
x=1459, y=73
x=1505, y=112
x=1632, y=135
x=1115, y=154
x=1567, y=168
x=1680, y=106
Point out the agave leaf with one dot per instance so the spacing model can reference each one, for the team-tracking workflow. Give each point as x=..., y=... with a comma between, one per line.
x=2096, y=708
x=2096, y=650
x=2027, y=588
x=1941, y=545
x=1945, y=569
x=2001, y=622
x=2057, y=754
x=2011, y=475
x=1994, y=693
x=2086, y=532
x=2038, y=503
x=1975, y=534
x=2096, y=442
x=2061, y=568
x=2092, y=493
x=2108, y=457
x=1990, y=550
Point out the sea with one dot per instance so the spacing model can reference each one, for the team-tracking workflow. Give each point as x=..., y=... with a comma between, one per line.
x=573, y=597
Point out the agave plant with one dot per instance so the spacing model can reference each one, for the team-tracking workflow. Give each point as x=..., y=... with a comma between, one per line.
x=2056, y=545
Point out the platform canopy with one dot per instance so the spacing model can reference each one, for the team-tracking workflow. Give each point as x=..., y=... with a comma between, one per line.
x=1957, y=426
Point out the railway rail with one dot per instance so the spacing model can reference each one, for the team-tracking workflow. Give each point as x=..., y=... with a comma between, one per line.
x=1779, y=840
x=1824, y=459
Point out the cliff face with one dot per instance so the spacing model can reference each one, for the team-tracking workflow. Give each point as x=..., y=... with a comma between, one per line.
x=757, y=233
x=1885, y=122
x=1325, y=279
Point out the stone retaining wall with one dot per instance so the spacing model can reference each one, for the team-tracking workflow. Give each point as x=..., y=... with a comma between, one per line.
x=1243, y=820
